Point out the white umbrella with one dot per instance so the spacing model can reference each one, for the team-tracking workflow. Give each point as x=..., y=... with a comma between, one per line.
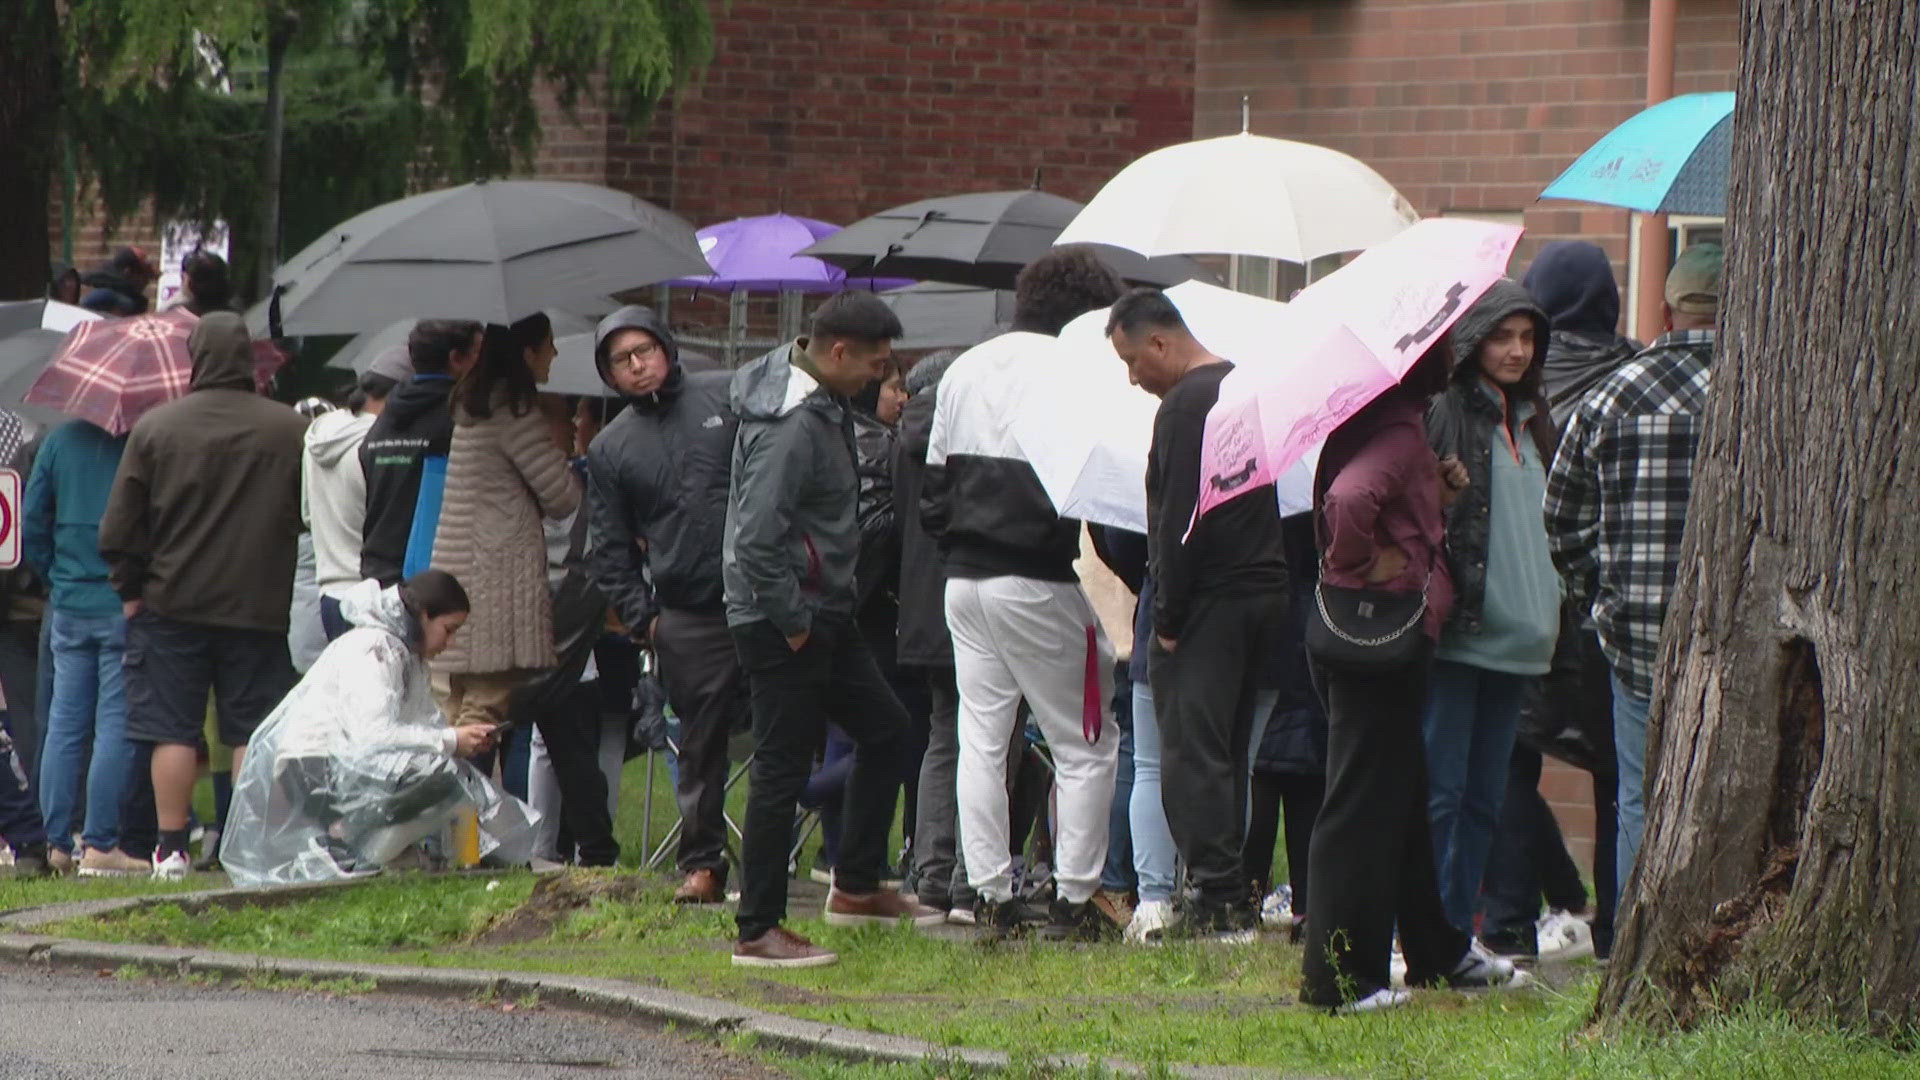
x=1243, y=194
x=1086, y=430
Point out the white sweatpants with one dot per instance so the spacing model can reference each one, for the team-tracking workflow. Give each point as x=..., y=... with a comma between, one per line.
x=1013, y=639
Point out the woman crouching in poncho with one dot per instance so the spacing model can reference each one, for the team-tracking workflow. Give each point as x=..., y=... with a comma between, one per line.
x=358, y=763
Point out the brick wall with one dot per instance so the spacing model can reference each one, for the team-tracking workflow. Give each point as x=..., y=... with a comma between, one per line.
x=1464, y=105
x=839, y=108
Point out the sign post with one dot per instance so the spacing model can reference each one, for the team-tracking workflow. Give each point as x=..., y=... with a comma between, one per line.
x=9, y=519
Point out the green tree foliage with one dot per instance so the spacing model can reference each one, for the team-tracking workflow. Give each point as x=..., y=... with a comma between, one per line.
x=166, y=99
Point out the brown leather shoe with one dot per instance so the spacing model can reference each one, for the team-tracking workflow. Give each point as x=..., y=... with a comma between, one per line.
x=701, y=887
x=882, y=907
x=781, y=948
x=1115, y=906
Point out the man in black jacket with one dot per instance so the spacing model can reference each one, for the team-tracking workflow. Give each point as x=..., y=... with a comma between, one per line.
x=657, y=491
x=415, y=427
x=1219, y=612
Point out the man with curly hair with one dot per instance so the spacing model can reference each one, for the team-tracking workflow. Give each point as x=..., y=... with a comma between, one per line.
x=1022, y=627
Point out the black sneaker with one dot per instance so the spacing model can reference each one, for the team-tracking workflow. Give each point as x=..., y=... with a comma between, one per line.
x=1514, y=945
x=1224, y=924
x=999, y=921
x=1078, y=922
x=32, y=861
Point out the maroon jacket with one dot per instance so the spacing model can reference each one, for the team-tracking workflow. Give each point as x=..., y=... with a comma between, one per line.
x=1378, y=483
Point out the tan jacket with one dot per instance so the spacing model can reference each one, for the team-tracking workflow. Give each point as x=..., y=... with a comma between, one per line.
x=503, y=475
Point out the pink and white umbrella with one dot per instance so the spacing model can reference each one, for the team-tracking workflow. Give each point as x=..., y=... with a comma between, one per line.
x=1343, y=341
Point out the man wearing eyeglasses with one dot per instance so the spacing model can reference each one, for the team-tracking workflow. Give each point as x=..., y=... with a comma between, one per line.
x=657, y=495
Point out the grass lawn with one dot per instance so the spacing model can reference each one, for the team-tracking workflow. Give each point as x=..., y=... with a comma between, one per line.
x=1182, y=1002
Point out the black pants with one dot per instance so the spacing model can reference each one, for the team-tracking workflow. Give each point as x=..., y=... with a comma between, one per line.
x=572, y=734
x=1528, y=861
x=1371, y=864
x=700, y=670
x=1300, y=796
x=793, y=694
x=1204, y=696
x=20, y=671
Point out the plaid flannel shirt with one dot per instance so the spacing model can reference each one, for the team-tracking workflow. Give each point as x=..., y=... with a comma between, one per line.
x=1617, y=495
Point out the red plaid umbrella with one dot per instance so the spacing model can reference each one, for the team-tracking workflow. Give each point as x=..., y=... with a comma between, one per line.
x=113, y=371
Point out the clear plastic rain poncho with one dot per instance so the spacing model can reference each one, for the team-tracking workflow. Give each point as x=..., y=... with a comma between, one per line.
x=357, y=764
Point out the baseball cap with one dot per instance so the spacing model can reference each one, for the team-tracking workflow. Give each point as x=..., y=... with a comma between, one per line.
x=1693, y=285
x=393, y=363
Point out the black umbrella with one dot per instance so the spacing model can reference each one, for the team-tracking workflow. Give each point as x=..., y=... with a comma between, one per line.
x=981, y=240
x=496, y=251
x=30, y=333
x=940, y=316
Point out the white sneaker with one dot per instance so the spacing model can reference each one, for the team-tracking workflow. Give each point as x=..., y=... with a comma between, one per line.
x=1151, y=921
x=172, y=868
x=962, y=916
x=1480, y=968
x=1564, y=937
x=1276, y=910
x=1378, y=1001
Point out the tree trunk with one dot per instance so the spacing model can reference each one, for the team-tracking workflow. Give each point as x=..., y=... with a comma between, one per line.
x=279, y=38
x=29, y=99
x=1782, y=853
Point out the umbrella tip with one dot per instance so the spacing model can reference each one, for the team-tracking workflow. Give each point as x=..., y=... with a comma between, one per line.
x=1246, y=113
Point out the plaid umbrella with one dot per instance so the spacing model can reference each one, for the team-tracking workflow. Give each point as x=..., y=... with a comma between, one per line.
x=114, y=371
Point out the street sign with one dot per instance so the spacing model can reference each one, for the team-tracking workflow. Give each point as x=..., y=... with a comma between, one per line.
x=9, y=519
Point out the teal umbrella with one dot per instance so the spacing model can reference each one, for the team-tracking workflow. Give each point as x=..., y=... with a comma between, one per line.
x=1671, y=158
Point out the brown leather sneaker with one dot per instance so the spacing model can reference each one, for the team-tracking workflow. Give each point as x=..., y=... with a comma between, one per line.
x=1116, y=907
x=882, y=907
x=701, y=887
x=781, y=948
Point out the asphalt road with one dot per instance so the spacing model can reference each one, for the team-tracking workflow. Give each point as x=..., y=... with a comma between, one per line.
x=64, y=1026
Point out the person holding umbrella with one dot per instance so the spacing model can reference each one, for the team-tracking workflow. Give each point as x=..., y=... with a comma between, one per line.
x=199, y=537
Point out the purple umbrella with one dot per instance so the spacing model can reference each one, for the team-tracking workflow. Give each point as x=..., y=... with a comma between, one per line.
x=757, y=254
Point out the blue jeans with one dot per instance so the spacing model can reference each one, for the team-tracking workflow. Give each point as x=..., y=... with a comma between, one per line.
x=1472, y=715
x=1630, y=746
x=89, y=705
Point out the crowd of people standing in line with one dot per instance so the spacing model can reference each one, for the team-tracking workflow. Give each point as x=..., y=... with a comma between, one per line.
x=851, y=556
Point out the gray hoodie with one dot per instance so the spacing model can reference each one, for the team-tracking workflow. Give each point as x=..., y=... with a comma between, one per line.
x=793, y=533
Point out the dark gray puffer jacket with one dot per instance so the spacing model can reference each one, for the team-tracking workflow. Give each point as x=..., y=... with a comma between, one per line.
x=1464, y=421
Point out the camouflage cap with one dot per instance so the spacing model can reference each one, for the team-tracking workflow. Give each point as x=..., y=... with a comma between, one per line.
x=1693, y=286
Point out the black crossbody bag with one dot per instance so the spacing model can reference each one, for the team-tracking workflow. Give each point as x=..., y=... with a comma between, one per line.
x=1366, y=631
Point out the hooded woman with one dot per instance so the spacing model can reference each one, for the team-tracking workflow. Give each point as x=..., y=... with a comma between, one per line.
x=357, y=763
x=1500, y=634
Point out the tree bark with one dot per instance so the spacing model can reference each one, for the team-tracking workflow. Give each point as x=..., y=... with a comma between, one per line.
x=29, y=100
x=1782, y=854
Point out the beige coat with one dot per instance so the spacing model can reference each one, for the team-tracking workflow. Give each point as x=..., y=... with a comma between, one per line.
x=503, y=475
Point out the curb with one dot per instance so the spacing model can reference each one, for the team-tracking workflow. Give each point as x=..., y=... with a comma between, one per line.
x=611, y=998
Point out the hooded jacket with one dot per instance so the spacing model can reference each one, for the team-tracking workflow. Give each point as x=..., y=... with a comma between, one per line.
x=60, y=521
x=657, y=486
x=415, y=427
x=110, y=292
x=793, y=530
x=333, y=497
x=1468, y=420
x=204, y=515
x=923, y=640
x=1574, y=284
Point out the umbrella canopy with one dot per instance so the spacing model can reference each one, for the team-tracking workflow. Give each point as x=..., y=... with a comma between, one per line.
x=1347, y=338
x=1671, y=158
x=761, y=254
x=941, y=316
x=18, y=315
x=495, y=250
x=982, y=240
x=1244, y=194
x=359, y=353
x=113, y=371
x=1092, y=458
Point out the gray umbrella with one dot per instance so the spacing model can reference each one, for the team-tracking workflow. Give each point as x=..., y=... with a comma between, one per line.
x=359, y=352
x=939, y=316
x=495, y=250
x=981, y=240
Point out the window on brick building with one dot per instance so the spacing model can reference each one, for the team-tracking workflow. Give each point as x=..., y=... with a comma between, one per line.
x=1683, y=231
x=1275, y=279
